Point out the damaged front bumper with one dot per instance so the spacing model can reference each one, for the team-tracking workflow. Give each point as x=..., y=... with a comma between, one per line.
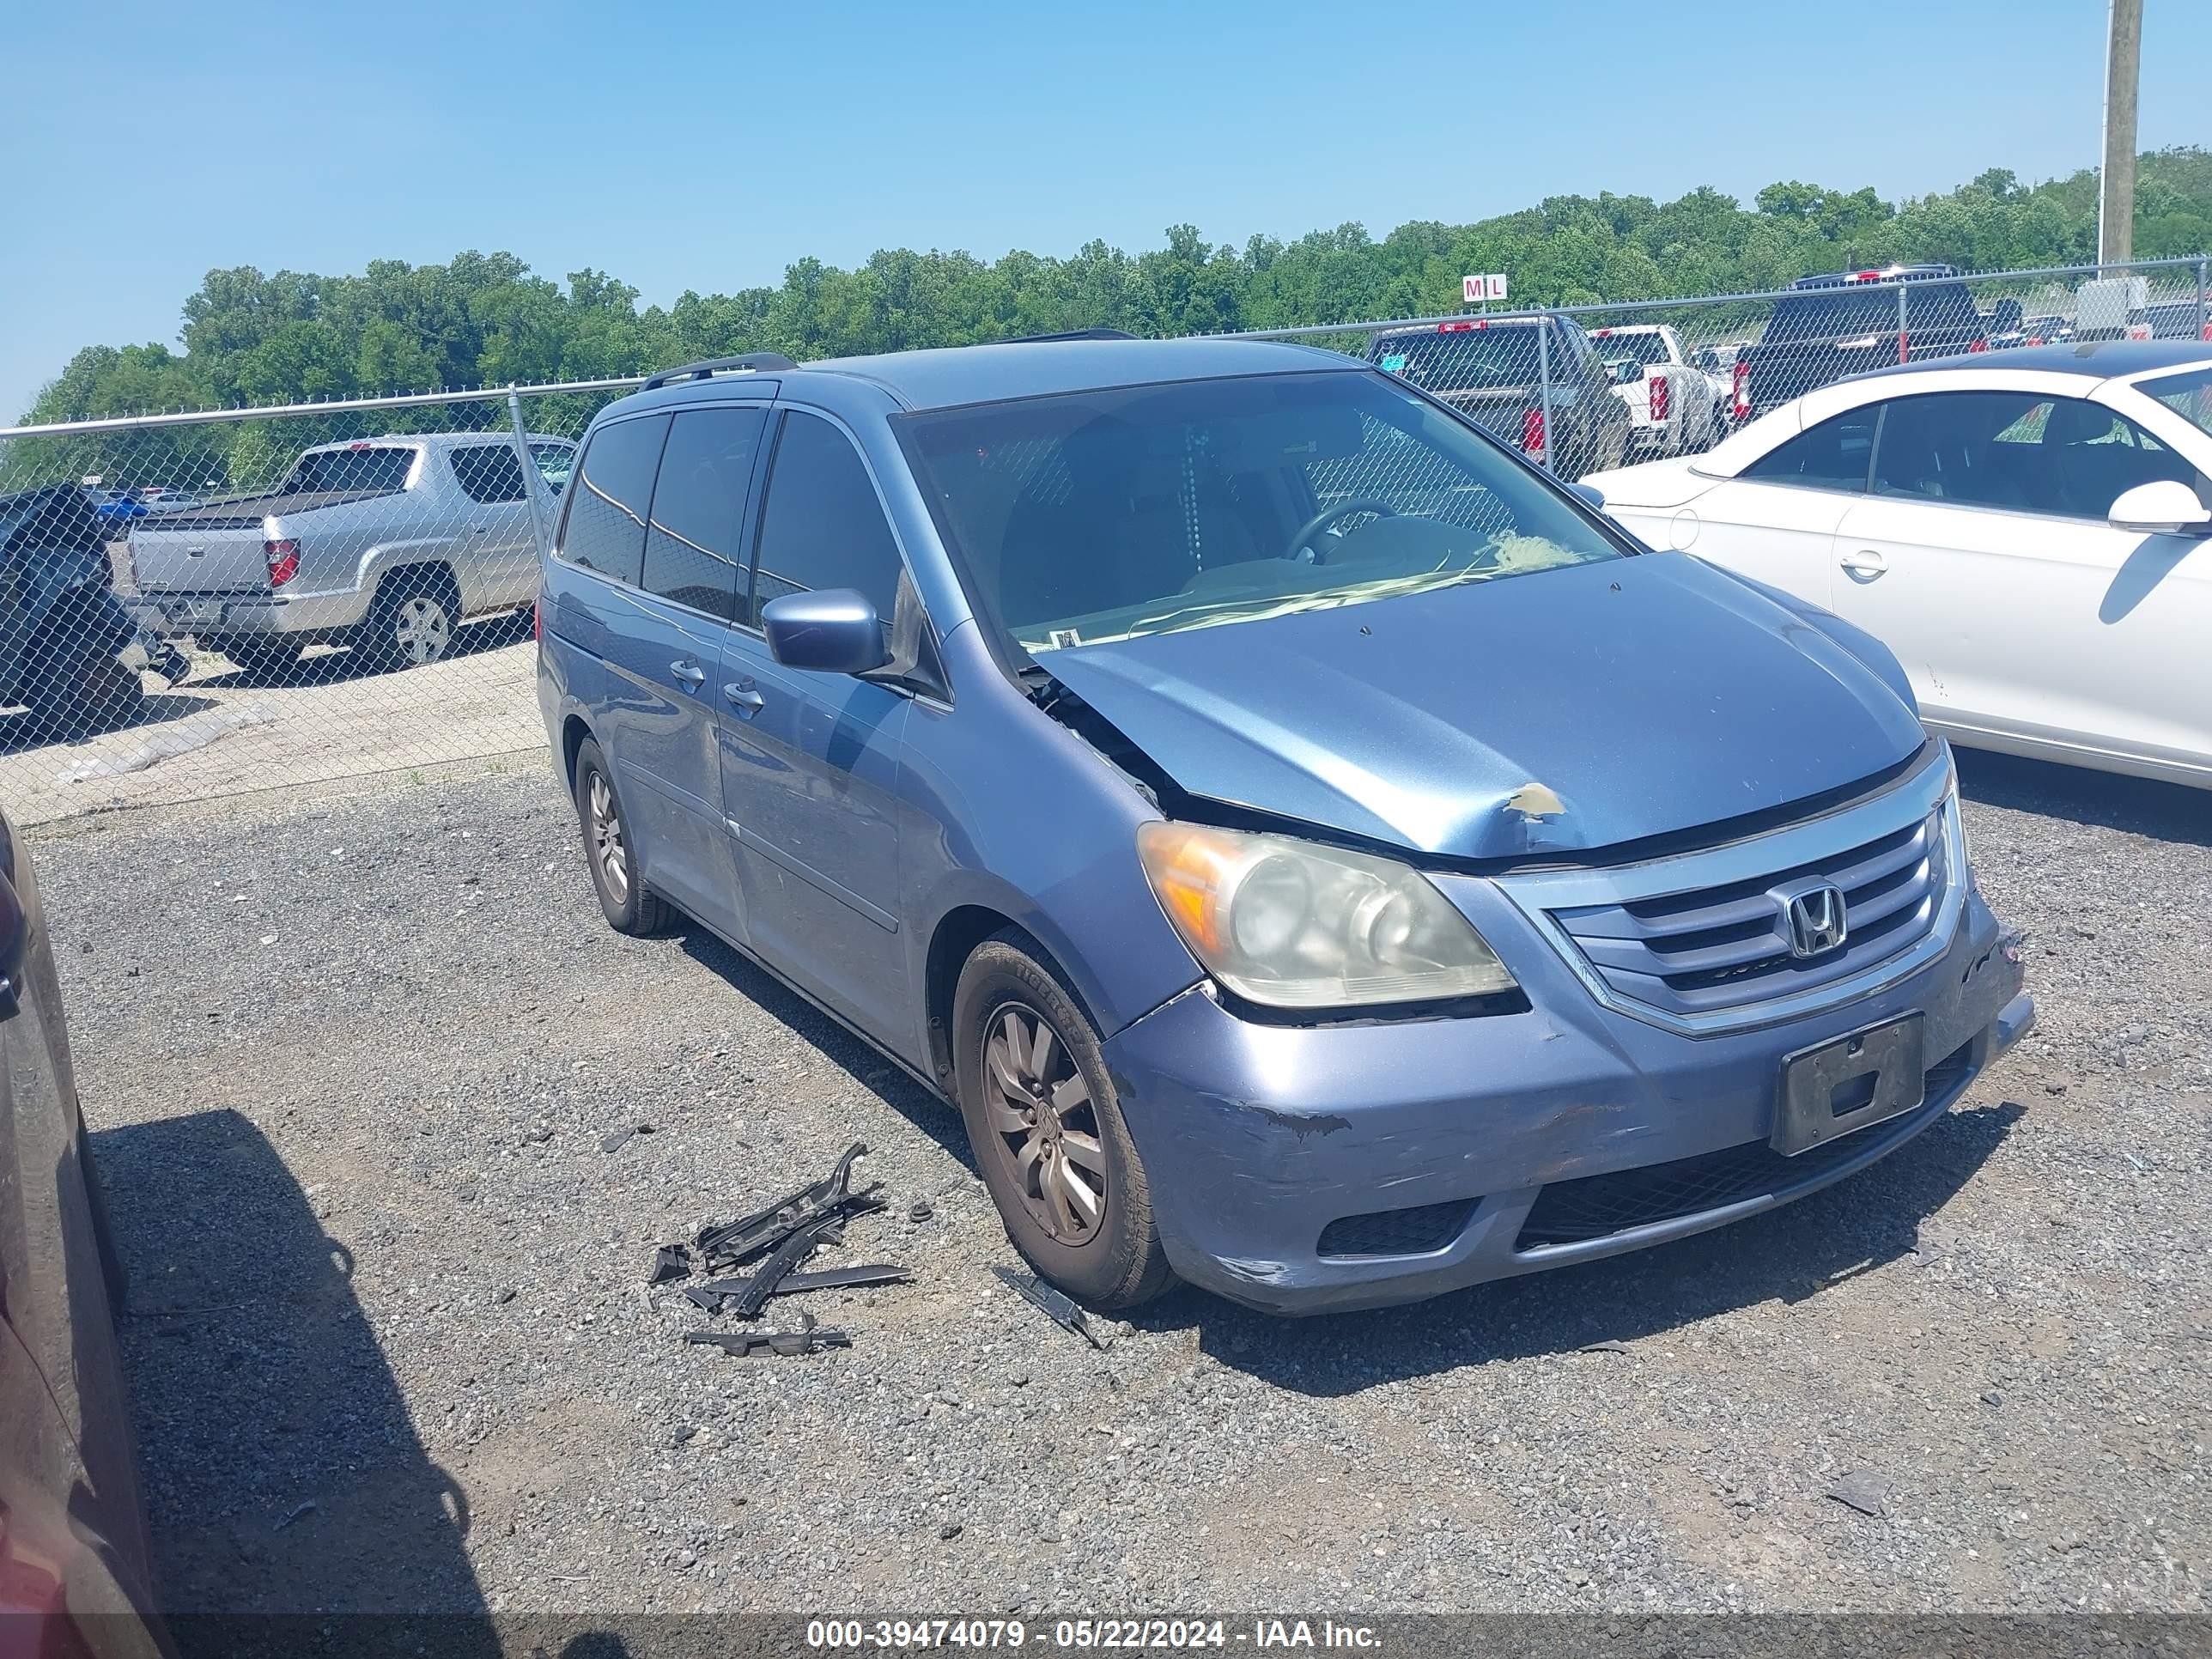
x=1307, y=1170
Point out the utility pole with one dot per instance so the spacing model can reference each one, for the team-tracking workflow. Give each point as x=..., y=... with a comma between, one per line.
x=2116, y=206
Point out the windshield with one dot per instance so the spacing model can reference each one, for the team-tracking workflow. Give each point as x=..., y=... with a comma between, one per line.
x=1109, y=515
x=362, y=468
x=2188, y=395
x=1615, y=347
x=1475, y=358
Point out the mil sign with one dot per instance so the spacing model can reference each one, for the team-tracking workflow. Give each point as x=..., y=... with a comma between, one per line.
x=1479, y=290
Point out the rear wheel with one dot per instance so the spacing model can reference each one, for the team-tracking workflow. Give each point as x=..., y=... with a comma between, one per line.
x=411, y=621
x=1046, y=1124
x=629, y=907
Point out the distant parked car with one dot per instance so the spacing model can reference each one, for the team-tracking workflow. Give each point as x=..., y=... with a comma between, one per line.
x=2176, y=320
x=385, y=545
x=1493, y=370
x=2031, y=532
x=65, y=639
x=75, y=1575
x=1671, y=404
x=117, y=509
x=1827, y=327
x=2045, y=329
x=1320, y=856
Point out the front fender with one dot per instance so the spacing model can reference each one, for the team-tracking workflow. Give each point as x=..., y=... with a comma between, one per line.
x=1004, y=808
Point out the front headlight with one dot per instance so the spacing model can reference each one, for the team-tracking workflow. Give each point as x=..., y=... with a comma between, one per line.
x=1293, y=924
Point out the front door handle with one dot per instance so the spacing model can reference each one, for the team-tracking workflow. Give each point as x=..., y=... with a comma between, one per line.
x=747, y=701
x=688, y=671
x=1864, y=563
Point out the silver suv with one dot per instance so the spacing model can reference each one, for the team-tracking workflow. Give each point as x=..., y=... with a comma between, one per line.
x=383, y=543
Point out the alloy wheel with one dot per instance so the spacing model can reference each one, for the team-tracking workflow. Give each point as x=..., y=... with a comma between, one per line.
x=607, y=837
x=421, y=629
x=1046, y=1125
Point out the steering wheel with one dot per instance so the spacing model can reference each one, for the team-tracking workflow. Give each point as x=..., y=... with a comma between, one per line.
x=1329, y=515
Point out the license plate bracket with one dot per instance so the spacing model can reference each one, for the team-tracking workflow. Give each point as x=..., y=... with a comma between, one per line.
x=1849, y=1082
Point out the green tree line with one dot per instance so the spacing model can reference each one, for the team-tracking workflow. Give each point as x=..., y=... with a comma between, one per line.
x=483, y=319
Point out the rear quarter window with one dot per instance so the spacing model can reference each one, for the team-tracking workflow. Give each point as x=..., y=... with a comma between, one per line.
x=368, y=467
x=487, y=472
x=605, y=530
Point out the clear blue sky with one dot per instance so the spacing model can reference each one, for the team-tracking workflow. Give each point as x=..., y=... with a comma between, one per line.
x=688, y=144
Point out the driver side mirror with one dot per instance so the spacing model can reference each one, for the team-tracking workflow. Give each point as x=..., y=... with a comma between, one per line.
x=2162, y=507
x=834, y=631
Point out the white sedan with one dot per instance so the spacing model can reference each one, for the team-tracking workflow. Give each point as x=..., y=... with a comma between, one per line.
x=2029, y=530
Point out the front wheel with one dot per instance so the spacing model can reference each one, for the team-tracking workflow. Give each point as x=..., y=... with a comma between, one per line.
x=1046, y=1126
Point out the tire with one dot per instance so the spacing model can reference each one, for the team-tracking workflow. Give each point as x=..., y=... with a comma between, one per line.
x=112, y=1271
x=84, y=691
x=1069, y=1127
x=629, y=906
x=411, y=621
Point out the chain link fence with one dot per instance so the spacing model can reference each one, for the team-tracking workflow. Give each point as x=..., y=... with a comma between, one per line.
x=196, y=605
x=1582, y=388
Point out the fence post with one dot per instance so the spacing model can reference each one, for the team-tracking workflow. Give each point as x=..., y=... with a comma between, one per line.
x=1544, y=373
x=531, y=478
x=1903, y=336
x=2203, y=321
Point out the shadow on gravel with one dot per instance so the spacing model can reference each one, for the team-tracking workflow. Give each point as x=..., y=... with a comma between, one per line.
x=330, y=665
x=854, y=1055
x=1788, y=1255
x=21, y=729
x=282, y=1475
x=2143, y=806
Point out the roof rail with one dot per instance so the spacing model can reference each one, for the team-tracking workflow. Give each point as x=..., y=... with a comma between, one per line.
x=751, y=361
x=1071, y=334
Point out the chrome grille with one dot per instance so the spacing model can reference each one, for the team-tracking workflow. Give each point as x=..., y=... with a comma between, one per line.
x=1720, y=947
x=1700, y=942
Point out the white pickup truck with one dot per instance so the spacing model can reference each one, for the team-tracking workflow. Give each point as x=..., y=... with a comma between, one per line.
x=1674, y=405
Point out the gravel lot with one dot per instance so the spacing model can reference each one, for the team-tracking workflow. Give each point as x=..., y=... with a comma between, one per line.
x=352, y=1061
x=225, y=731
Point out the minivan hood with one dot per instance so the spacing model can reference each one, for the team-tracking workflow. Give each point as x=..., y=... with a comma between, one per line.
x=1565, y=710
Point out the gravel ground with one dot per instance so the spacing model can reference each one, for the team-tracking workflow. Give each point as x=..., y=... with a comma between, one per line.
x=354, y=1063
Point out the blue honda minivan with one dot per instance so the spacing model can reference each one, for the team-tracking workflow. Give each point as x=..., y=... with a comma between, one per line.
x=1321, y=857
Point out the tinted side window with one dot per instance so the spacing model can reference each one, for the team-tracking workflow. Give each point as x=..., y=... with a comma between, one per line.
x=822, y=526
x=1833, y=455
x=698, y=505
x=487, y=472
x=2019, y=452
x=606, y=530
x=357, y=466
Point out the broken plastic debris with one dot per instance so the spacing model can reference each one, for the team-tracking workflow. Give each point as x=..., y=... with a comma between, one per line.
x=808, y=1338
x=1056, y=1305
